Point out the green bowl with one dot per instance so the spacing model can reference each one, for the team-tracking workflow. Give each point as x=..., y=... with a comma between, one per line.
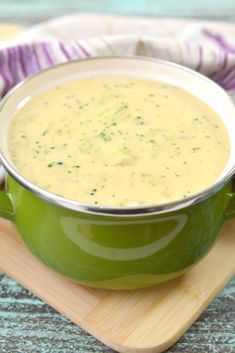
x=117, y=247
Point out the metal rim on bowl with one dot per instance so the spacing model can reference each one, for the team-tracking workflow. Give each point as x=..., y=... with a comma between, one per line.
x=129, y=211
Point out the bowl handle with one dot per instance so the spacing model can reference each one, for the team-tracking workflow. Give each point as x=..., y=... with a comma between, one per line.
x=6, y=206
x=230, y=210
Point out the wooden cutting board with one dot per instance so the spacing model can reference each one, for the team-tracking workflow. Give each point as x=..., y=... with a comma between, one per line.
x=145, y=321
x=10, y=30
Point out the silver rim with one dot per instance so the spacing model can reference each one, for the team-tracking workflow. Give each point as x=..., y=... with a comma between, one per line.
x=107, y=210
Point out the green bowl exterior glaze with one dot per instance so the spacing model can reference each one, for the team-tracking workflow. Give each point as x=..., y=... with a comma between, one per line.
x=116, y=252
x=121, y=248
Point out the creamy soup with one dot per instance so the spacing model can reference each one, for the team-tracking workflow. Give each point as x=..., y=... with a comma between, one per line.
x=119, y=141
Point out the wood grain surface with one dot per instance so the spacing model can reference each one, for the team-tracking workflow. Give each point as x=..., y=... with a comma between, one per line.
x=141, y=321
x=28, y=11
x=27, y=325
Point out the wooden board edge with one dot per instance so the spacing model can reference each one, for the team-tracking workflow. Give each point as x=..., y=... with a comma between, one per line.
x=122, y=348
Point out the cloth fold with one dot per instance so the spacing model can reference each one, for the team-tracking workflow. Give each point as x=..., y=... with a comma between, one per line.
x=206, y=47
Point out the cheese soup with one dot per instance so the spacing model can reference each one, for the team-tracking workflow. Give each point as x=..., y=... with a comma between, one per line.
x=119, y=141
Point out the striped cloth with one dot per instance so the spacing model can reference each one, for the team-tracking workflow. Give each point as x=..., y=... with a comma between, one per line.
x=207, y=47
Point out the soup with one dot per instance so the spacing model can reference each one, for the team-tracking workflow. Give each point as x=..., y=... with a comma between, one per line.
x=119, y=141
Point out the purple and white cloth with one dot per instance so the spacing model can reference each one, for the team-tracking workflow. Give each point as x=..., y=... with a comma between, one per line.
x=207, y=47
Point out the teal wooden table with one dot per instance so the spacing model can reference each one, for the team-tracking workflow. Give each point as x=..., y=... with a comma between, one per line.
x=27, y=325
x=28, y=11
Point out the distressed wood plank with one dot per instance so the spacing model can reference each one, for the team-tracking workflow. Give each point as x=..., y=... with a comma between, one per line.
x=148, y=320
x=27, y=11
x=27, y=325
